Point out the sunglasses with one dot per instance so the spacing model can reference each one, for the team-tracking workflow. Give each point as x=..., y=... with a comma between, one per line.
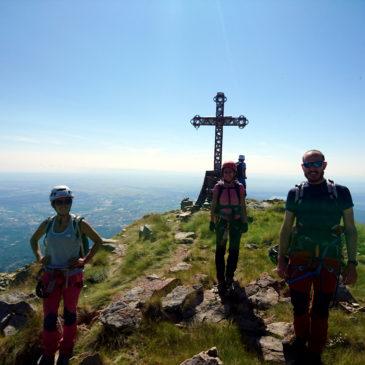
x=67, y=201
x=307, y=165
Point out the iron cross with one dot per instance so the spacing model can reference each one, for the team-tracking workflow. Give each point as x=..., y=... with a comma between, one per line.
x=219, y=121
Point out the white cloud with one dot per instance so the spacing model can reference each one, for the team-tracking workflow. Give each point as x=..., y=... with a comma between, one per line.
x=20, y=139
x=124, y=158
x=159, y=159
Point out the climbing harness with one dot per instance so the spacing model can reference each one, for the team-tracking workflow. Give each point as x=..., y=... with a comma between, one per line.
x=318, y=269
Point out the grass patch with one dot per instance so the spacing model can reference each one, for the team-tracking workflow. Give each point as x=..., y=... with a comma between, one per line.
x=166, y=344
x=143, y=255
x=361, y=238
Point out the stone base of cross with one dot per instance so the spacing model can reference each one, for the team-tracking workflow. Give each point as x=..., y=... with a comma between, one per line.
x=206, y=194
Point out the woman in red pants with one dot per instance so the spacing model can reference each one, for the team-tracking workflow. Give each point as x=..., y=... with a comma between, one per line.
x=63, y=263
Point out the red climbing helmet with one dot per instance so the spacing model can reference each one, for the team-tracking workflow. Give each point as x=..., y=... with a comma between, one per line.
x=230, y=165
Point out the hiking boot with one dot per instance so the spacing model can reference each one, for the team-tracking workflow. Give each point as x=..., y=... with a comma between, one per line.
x=230, y=285
x=45, y=360
x=296, y=350
x=230, y=288
x=314, y=358
x=63, y=359
x=222, y=290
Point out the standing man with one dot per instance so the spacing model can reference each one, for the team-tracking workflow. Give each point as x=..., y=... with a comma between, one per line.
x=241, y=170
x=228, y=219
x=314, y=249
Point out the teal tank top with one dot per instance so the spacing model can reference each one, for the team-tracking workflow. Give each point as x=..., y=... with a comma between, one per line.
x=63, y=246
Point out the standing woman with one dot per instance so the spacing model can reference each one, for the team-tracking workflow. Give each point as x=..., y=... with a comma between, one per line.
x=63, y=264
x=228, y=219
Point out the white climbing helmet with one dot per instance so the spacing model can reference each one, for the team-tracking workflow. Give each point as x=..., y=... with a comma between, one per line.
x=241, y=157
x=60, y=191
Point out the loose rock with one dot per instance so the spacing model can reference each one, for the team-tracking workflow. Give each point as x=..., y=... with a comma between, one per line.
x=201, y=278
x=264, y=292
x=185, y=237
x=139, y=295
x=93, y=359
x=211, y=310
x=120, y=317
x=251, y=246
x=264, y=298
x=145, y=232
x=186, y=203
x=272, y=349
x=184, y=217
x=14, y=316
x=181, y=302
x=181, y=266
x=281, y=329
x=209, y=357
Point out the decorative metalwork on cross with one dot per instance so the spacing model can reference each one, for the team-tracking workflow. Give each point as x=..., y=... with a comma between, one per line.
x=219, y=121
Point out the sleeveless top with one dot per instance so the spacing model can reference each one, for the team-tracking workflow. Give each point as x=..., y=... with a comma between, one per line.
x=62, y=246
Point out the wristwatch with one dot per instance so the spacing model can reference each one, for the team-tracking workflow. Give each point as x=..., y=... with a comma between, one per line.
x=353, y=262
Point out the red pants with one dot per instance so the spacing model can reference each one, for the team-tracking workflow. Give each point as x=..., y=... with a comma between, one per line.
x=53, y=337
x=311, y=298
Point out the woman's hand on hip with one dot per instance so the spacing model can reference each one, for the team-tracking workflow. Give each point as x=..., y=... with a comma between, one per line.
x=77, y=263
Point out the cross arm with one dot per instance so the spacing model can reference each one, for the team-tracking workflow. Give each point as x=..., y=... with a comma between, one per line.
x=198, y=121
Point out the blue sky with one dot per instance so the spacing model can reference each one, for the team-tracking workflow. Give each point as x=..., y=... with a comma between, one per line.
x=95, y=86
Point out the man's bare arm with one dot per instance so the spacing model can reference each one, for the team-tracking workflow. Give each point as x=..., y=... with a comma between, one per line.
x=285, y=233
x=350, y=273
x=350, y=233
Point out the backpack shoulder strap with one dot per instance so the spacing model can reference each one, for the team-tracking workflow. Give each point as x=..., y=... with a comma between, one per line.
x=299, y=192
x=49, y=223
x=332, y=190
x=76, y=220
x=220, y=191
x=237, y=188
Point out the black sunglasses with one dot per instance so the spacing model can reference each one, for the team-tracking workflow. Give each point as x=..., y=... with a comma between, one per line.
x=66, y=201
x=307, y=165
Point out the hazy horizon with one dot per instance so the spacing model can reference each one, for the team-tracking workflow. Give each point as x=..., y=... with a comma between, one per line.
x=110, y=202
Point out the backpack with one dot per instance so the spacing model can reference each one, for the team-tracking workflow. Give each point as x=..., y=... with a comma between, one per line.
x=221, y=187
x=76, y=220
x=239, y=166
x=299, y=191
